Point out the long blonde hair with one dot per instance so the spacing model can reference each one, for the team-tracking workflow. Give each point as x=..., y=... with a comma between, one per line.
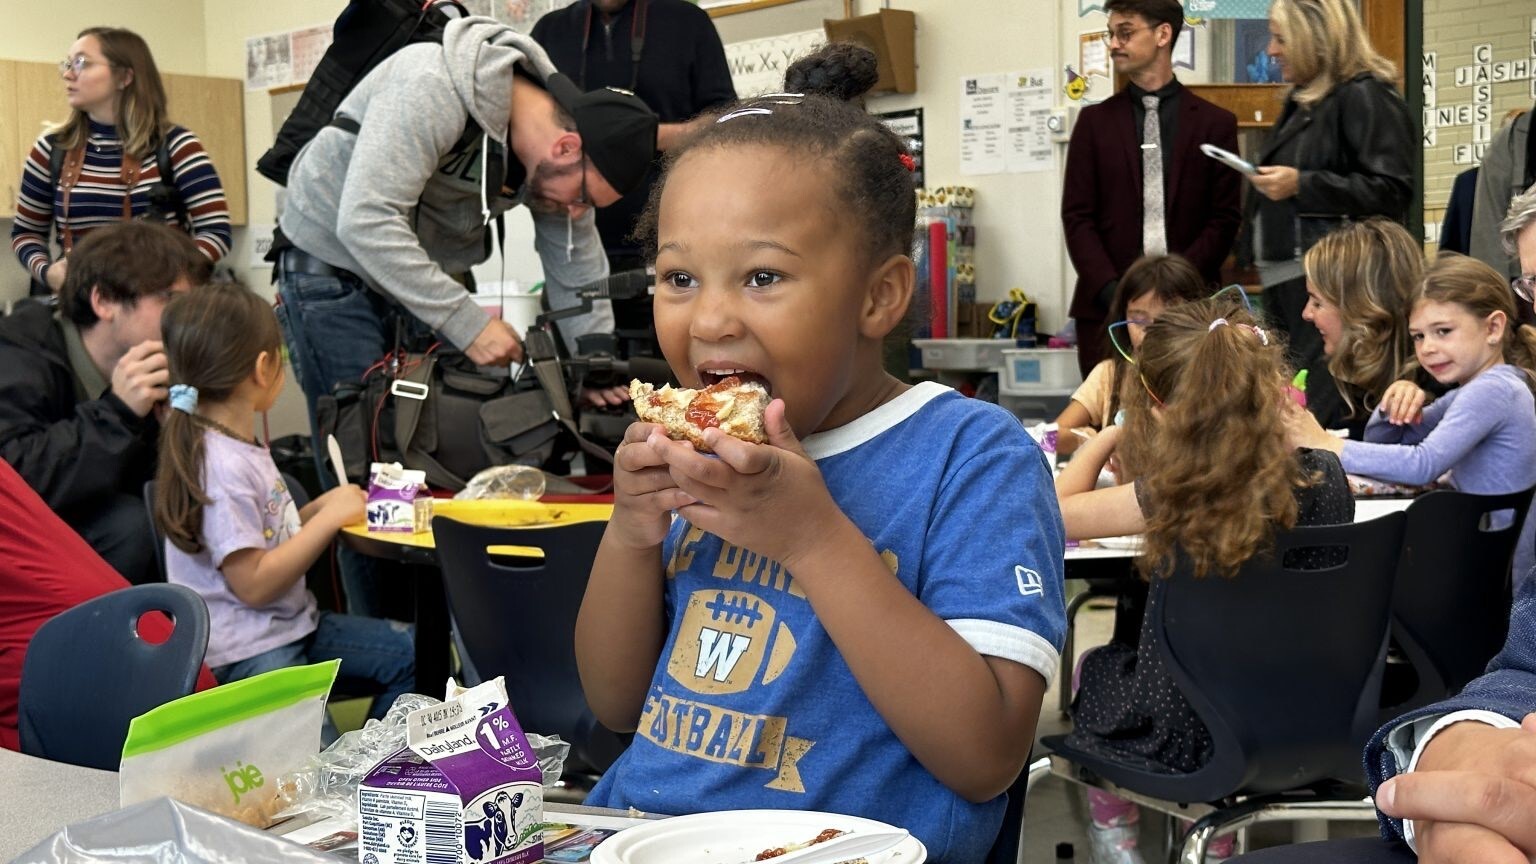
x=141, y=104
x=1482, y=291
x=1368, y=269
x=1213, y=463
x=1325, y=45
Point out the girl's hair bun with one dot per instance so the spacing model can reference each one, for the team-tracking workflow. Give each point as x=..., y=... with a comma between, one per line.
x=838, y=70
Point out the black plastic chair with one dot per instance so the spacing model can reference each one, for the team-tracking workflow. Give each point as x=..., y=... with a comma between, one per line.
x=517, y=618
x=1284, y=668
x=1450, y=611
x=87, y=673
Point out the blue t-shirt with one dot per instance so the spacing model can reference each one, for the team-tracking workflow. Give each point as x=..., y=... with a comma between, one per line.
x=752, y=706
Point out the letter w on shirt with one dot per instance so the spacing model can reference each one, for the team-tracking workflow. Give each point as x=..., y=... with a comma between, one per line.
x=719, y=651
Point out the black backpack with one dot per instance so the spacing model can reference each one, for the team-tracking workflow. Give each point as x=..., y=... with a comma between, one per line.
x=365, y=33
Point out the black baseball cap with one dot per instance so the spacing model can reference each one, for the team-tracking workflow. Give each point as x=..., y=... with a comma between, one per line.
x=618, y=131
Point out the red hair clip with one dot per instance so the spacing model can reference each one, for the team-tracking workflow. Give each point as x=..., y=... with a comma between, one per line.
x=908, y=162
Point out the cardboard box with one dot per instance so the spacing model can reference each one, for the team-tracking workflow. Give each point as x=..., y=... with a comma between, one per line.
x=466, y=788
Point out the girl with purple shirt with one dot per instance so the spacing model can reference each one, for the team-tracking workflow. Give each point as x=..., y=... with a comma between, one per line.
x=1483, y=432
x=232, y=532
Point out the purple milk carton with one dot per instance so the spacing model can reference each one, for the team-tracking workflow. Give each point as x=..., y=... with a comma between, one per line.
x=466, y=788
x=392, y=492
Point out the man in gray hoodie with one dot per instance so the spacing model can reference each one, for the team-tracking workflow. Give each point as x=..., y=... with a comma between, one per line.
x=390, y=205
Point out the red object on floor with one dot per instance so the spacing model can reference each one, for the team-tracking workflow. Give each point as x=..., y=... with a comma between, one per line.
x=45, y=569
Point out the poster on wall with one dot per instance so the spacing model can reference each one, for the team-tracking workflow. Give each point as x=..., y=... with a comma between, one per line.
x=520, y=14
x=307, y=46
x=983, y=111
x=268, y=61
x=908, y=125
x=1227, y=9
x=1092, y=54
x=1029, y=110
x=757, y=65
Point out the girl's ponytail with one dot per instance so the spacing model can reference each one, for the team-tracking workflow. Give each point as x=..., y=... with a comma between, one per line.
x=179, y=495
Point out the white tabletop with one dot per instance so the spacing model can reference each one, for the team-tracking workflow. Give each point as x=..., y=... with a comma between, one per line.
x=38, y=797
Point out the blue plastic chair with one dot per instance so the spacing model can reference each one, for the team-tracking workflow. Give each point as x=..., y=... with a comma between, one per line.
x=517, y=617
x=87, y=672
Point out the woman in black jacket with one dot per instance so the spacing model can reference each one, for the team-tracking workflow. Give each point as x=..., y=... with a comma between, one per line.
x=1343, y=150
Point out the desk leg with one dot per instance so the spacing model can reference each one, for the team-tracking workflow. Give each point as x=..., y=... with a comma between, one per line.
x=433, y=663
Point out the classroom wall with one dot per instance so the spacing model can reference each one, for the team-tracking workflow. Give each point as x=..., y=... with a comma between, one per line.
x=1018, y=236
x=1480, y=63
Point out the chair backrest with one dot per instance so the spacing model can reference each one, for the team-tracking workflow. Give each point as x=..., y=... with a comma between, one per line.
x=517, y=618
x=1283, y=665
x=1450, y=609
x=87, y=672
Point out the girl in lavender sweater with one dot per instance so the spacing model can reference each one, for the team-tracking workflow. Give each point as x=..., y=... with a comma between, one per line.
x=1482, y=433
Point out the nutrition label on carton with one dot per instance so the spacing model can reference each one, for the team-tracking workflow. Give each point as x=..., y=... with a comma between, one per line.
x=389, y=805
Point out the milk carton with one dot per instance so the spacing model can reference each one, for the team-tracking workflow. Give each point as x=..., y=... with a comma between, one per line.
x=392, y=492
x=466, y=788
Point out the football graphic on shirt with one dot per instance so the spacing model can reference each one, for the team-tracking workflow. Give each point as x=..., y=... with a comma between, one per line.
x=723, y=643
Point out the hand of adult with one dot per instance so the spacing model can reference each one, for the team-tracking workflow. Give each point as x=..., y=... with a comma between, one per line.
x=497, y=345
x=56, y=273
x=1471, y=795
x=1277, y=182
x=142, y=377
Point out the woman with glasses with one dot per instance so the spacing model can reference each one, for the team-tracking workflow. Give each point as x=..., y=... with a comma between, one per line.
x=1149, y=286
x=1343, y=150
x=1214, y=479
x=118, y=156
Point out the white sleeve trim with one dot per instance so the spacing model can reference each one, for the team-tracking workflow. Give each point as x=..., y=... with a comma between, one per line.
x=1010, y=642
x=1418, y=733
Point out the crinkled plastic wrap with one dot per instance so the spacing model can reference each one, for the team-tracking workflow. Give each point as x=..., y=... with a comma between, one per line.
x=328, y=785
x=504, y=481
x=161, y=830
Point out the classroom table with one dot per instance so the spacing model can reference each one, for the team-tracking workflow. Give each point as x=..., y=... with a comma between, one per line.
x=418, y=551
x=39, y=796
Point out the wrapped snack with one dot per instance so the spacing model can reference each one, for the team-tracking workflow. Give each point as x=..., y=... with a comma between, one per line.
x=392, y=491
x=327, y=784
x=521, y=482
x=223, y=749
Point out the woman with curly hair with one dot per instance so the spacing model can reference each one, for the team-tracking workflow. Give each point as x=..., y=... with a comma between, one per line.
x=1205, y=439
x=1358, y=281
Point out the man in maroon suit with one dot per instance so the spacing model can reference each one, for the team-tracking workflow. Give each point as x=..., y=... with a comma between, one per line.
x=1152, y=128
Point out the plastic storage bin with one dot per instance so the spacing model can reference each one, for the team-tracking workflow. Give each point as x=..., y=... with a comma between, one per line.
x=1040, y=369
x=967, y=354
x=1034, y=406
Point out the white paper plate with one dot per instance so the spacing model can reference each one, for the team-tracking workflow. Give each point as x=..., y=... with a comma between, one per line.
x=733, y=836
x=1128, y=541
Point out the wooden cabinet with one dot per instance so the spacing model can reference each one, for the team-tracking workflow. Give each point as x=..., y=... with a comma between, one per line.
x=10, y=164
x=32, y=99
x=214, y=109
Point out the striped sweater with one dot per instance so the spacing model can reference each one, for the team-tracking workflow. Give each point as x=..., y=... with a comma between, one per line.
x=97, y=198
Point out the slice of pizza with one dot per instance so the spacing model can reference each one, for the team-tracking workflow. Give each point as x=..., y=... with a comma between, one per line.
x=770, y=854
x=733, y=406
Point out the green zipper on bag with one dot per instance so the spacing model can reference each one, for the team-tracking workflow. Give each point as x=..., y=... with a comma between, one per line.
x=227, y=705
